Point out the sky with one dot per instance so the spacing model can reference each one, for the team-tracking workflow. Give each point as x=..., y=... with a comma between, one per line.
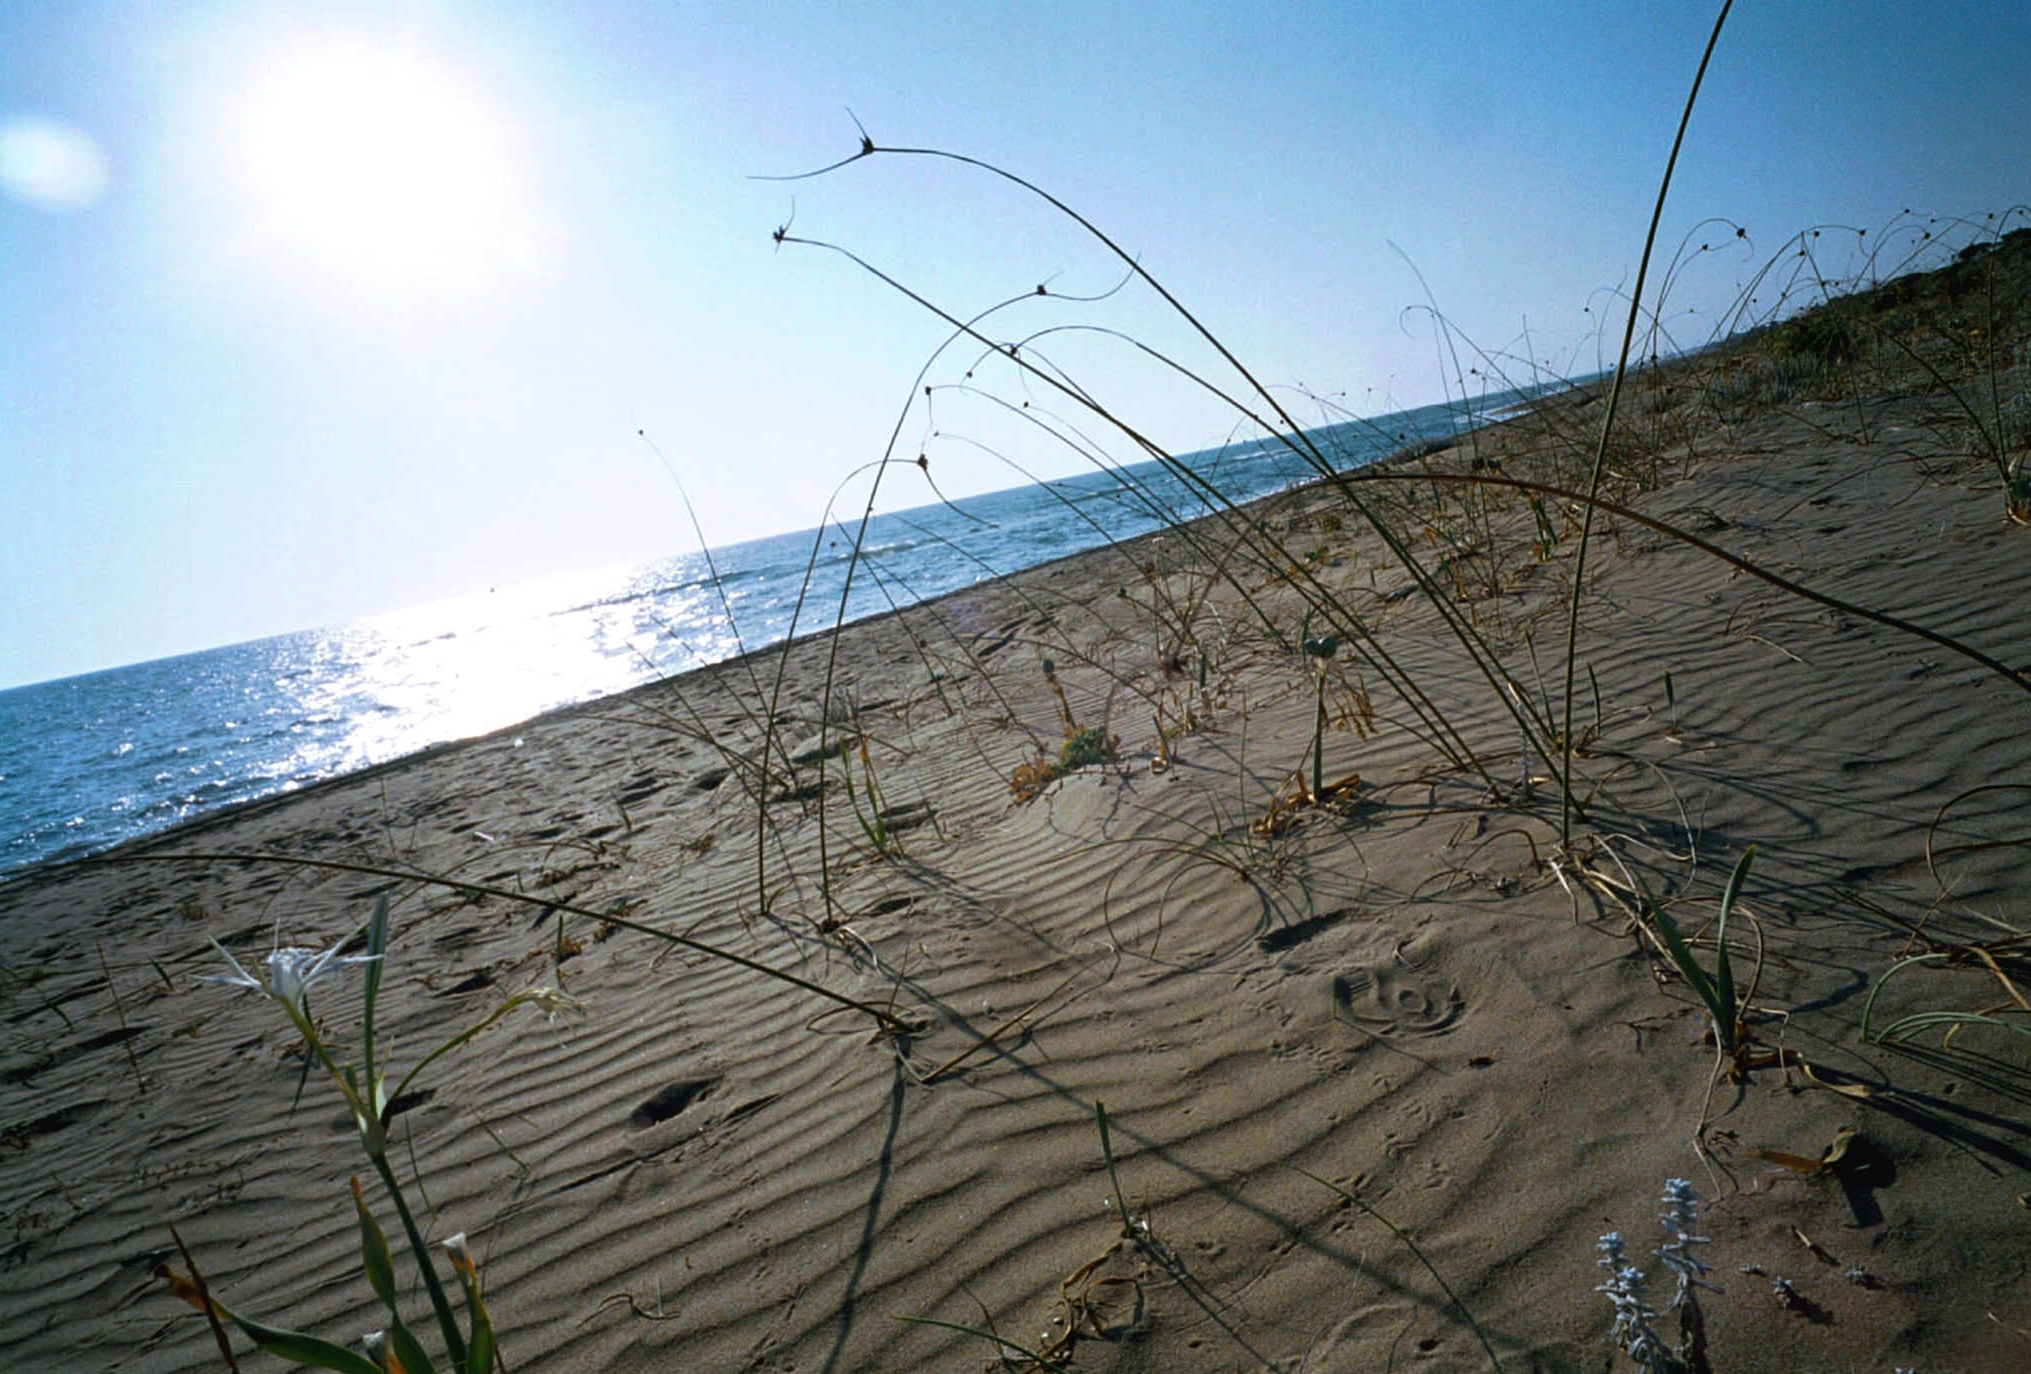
x=313, y=312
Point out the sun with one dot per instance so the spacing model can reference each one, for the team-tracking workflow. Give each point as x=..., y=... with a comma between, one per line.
x=382, y=168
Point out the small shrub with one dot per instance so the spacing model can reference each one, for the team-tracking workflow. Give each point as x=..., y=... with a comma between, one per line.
x=1088, y=746
x=1825, y=335
x=1626, y=1285
x=1081, y=747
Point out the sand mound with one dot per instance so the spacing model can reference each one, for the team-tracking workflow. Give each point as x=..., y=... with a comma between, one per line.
x=1412, y=992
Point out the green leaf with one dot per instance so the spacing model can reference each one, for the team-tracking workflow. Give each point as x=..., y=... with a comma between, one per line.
x=1682, y=956
x=377, y=940
x=409, y=1350
x=479, y=1352
x=1716, y=993
x=479, y=1356
x=302, y=1349
x=1724, y=974
x=374, y=1253
x=379, y=1263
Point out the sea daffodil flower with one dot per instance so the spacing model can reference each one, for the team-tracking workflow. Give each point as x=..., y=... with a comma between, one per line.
x=286, y=976
x=288, y=973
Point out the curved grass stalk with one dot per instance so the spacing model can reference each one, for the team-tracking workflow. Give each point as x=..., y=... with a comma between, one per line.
x=1607, y=424
x=1000, y=1341
x=1291, y=434
x=965, y=329
x=1444, y=733
x=1494, y=1361
x=2003, y=670
x=1907, y=1026
x=1933, y=854
x=888, y=1021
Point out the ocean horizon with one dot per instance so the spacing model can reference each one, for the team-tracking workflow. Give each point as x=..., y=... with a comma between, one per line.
x=102, y=758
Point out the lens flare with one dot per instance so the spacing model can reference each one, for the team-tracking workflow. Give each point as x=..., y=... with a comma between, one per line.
x=50, y=166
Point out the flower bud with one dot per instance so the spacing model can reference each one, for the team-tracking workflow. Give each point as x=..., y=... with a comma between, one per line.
x=373, y=1137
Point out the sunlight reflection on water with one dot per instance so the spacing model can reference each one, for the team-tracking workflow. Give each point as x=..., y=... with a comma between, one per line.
x=90, y=761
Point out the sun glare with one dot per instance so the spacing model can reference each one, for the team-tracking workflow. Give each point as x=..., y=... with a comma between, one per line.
x=384, y=169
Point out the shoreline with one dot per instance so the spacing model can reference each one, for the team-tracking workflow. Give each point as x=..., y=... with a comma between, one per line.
x=198, y=823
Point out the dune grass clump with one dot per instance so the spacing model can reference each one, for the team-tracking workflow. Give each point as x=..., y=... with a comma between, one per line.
x=870, y=810
x=1083, y=746
x=1957, y=336
x=1462, y=529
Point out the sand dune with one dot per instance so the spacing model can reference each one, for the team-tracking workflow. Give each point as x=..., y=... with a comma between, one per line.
x=1411, y=993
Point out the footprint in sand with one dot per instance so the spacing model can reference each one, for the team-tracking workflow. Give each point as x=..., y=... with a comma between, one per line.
x=1383, y=998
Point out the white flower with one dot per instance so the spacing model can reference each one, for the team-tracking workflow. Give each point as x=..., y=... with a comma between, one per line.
x=288, y=972
x=550, y=1001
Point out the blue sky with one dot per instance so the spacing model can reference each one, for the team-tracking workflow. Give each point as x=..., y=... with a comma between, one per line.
x=312, y=312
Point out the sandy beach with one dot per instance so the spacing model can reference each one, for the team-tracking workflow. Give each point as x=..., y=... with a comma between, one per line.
x=1380, y=1062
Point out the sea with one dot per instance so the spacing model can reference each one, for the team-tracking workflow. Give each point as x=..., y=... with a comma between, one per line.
x=93, y=761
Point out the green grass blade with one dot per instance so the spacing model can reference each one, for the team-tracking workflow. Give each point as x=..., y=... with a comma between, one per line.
x=1107, y=1153
x=378, y=1261
x=870, y=828
x=479, y=1357
x=1608, y=423
x=377, y=949
x=1869, y=1007
x=447, y=1325
x=1908, y=1026
x=1724, y=972
x=480, y=1353
x=406, y=1348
